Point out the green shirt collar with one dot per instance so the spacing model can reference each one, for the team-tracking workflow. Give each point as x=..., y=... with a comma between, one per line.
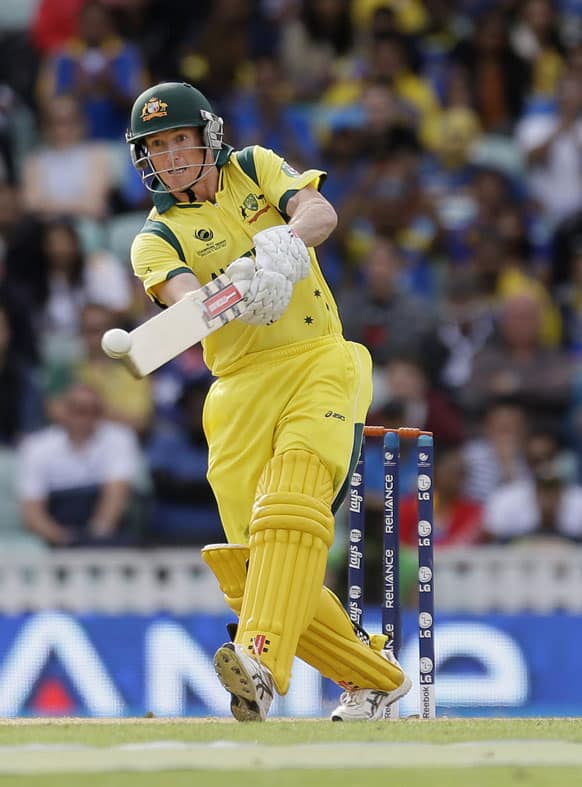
x=163, y=200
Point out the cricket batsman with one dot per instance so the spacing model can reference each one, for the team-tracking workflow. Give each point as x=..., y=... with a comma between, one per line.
x=284, y=418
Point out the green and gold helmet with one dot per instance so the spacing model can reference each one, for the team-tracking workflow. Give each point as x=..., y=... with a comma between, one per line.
x=164, y=107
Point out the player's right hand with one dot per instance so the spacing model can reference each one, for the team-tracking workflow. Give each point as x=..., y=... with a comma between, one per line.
x=267, y=292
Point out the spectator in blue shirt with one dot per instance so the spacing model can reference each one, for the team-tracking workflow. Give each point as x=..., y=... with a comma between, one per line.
x=102, y=70
x=263, y=114
x=185, y=510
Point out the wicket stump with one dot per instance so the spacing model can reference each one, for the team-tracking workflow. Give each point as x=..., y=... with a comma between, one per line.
x=391, y=613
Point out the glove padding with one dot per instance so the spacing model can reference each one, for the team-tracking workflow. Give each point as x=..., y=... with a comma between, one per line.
x=281, y=250
x=267, y=292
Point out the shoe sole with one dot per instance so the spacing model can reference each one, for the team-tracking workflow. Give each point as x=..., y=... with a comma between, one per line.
x=233, y=676
x=398, y=693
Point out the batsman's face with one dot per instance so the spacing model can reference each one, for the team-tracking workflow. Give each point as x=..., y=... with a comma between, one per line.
x=177, y=156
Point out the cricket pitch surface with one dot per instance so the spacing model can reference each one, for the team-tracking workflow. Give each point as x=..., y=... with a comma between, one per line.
x=280, y=753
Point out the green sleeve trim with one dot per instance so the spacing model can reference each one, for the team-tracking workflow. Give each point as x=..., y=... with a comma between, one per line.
x=169, y=275
x=165, y=233
x=283, y=202
x=246, y=160
x=177, y=272
x=356, y=449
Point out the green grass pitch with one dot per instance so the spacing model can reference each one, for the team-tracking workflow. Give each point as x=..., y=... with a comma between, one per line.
x=281, y=753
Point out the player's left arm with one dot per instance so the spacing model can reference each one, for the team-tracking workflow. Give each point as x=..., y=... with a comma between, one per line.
x=283, y=248
x=309, y=218
x=312, y=217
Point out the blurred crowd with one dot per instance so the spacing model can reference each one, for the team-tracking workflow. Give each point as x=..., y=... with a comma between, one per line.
x=451, y=131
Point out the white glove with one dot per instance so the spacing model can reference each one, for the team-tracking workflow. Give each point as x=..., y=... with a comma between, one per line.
x=280, y=249
x=267, y=292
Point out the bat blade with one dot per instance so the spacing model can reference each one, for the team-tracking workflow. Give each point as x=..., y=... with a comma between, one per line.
x=185, y=323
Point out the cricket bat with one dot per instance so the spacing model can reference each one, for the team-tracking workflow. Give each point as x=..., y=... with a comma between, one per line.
x=185, y=323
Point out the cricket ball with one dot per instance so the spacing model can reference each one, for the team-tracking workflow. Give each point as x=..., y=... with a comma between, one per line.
x=116, y=343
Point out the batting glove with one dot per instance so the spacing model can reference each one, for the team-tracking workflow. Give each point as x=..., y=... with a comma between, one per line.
x=280, y=249
x=267, y=292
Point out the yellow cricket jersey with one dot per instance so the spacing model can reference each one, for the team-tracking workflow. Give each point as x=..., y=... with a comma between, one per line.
x=254, y=188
